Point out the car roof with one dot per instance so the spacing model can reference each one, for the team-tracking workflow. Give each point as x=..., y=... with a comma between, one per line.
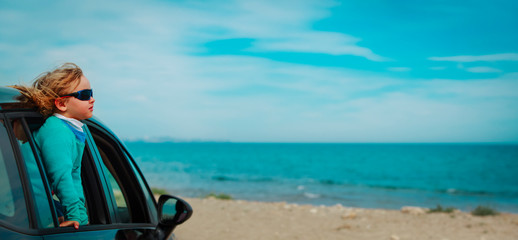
x=9, y=95
x=10, y=99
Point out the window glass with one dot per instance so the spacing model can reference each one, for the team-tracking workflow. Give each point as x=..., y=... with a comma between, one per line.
x=44, y=213
x=149, y=196
x=12, y=202
x=129, y=196
x=117, y=193
x=6, y=194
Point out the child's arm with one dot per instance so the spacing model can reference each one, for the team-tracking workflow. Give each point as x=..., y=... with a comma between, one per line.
x=76, y=176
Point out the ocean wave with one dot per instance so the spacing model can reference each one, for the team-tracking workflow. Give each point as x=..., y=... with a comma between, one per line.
x=220, y=178
x=311, y=195
x=329, y=182
x=452, y=191
x=224, y=179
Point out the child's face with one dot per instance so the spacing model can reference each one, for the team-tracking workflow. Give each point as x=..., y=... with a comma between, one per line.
x=76, y=108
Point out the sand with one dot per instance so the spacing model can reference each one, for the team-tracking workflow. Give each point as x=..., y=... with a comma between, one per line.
x=236, y=219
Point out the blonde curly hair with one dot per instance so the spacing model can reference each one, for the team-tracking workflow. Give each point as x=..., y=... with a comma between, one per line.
x=49, y=86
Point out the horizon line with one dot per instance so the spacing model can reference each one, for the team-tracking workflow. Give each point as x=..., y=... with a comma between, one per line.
x=273, y=142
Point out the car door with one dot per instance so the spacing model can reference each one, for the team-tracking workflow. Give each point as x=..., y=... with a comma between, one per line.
x=118, y=200
x=129, y=200
x=16, y=205
x=42, y=216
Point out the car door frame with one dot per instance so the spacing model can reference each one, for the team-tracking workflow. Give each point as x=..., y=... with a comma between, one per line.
x=130, y=175
x=91, y=179
x=94, y=180
x=10, y=231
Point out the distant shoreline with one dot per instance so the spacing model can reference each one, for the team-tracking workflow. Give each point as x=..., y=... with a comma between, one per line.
x=223, y=196
x=160, y=140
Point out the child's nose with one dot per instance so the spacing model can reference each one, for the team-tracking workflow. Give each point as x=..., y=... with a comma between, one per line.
x=92, y=99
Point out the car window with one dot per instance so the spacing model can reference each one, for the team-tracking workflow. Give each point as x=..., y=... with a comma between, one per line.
x=12, y=203
x=95, y=208
x=126, y=193
x=117, y=193
x=148, y=195
x=39, y=191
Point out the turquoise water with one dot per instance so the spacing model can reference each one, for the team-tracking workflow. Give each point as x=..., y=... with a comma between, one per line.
x=356, y=175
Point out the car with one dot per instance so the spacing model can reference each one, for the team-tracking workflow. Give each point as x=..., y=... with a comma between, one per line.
x=119, y=202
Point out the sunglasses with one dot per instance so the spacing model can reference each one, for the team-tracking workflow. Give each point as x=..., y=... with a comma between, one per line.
x=83, y=95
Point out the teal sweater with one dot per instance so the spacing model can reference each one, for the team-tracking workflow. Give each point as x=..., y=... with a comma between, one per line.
x=62, y=153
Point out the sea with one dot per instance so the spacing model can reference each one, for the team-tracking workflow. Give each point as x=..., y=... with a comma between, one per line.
x=387, y=176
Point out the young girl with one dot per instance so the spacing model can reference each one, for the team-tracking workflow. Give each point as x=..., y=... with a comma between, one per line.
x=63, y=97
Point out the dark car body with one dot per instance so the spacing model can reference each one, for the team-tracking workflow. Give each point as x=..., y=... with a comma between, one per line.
x=119, y=202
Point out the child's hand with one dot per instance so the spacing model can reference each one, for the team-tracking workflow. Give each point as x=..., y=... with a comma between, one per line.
x=75, y=224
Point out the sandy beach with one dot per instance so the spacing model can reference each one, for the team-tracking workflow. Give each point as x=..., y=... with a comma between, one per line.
x=237, y=219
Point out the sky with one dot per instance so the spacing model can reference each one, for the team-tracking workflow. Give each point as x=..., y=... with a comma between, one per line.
x=368, y=71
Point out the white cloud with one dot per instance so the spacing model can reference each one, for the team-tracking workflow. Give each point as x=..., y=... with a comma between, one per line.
x=503, y=87
x=483, y=70
x=290, y=102
x=484, y=58
x=274, y=27
x=316, y=42
x=399, y=69
x=148, y=82
x=439, y=68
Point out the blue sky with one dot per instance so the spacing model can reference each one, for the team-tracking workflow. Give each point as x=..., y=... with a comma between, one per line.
x=280, y=71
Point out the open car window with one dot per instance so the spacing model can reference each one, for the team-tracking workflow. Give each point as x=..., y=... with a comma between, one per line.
x=43, y=202
x=115, y=191
x=128, y=197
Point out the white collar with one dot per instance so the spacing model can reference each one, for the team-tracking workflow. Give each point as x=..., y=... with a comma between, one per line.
x=76, y=124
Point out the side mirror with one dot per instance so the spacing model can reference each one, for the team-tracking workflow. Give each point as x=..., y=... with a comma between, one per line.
x=172, y=211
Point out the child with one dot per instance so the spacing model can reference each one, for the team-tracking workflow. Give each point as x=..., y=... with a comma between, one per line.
x=63, y=97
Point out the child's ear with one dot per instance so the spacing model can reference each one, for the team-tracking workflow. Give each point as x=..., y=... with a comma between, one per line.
x=61, y=104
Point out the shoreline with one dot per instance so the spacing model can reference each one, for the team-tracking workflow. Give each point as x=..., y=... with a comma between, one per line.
x=464, y=206
x=239, y=219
